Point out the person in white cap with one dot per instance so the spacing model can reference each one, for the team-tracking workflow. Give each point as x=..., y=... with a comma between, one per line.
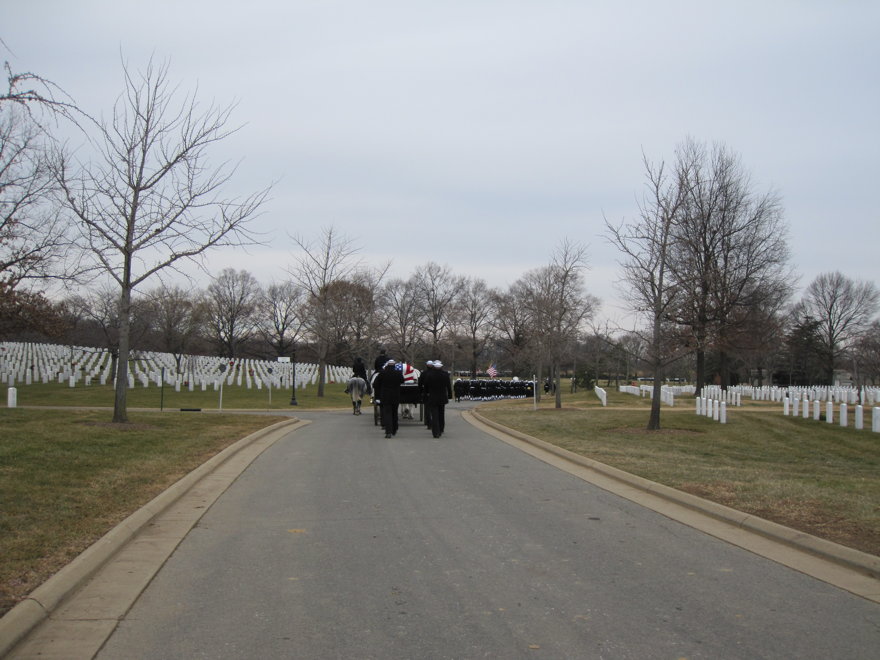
x=438, y=391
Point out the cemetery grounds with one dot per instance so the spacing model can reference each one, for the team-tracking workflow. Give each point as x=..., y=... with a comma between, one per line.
x=67, y=475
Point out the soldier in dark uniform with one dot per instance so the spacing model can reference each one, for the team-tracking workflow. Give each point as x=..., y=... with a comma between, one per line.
x=438, y=391
x=359, y=368
x=386, y=387
x=380, y=360
x=429, y=366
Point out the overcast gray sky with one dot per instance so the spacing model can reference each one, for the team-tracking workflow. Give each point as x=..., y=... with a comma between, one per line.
x=479, y=134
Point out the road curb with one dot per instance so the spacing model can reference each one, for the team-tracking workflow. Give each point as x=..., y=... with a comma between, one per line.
x=39, y=605
x=840, y=554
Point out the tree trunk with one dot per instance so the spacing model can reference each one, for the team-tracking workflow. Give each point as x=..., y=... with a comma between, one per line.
x=654, y=419
x=724, y=368
x=830, y=366
x=322, y=375
x=657, y=368
x=120, y=406
x=557, y=381
x=701, y=370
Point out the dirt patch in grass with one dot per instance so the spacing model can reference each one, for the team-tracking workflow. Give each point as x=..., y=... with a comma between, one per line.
x=643, y=431
x=813, y=518
x=805, y=515
x=127, y=426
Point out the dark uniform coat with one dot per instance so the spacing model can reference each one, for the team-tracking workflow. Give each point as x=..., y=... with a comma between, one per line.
x=436, y=387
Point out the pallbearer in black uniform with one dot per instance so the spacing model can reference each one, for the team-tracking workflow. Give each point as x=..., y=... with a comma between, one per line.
x=387, y=389
x=438, y=391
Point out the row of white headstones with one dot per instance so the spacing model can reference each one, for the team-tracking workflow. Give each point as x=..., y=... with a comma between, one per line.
x=797, y=401
x=714, y=402
x=801, y=407
x=667, y=392
x=30, y=363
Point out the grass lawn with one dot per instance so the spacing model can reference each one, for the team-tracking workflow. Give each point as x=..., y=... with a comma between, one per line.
x=234, y=397
x=812, y=476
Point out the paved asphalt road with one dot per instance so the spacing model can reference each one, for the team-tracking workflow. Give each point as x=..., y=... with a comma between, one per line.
x=339, y=543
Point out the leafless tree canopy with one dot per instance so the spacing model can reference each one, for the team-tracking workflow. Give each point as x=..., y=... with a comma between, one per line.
x=151, y=198
x=475, y=311
x=729, y=250
x=281, y=318
x=177, y=318
x=321, y=269
x=34, y=237
x=706, y=258
x=233, y=300
x=37, y=96
x=649, y=285
x=437, y=288
x=843, y=309
x=558, y=305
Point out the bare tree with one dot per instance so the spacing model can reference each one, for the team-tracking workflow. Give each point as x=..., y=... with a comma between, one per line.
x=401, y=324
x=34, y=237
x=366, y=314
x=559, y=305
x=281, y=316
x=343, y=305
x=323, y=261
x=649, y=286
x=512, y=325
x=843, y=308
x=177, y=317
x=151, y=199
x=867, y=350
x=475, y=312
x=233, y=301
x=728, y=250
x=437, y=291
x=99, y=309
x=632, y=347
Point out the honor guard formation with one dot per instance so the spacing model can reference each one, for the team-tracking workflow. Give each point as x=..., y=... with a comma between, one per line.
x=398, y=388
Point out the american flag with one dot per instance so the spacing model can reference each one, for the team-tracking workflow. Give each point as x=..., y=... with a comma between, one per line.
x=492, y=371
x=409, y=372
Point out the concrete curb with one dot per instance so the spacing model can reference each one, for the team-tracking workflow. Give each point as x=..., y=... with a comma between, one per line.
x=840, y=554
x=45, y=599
